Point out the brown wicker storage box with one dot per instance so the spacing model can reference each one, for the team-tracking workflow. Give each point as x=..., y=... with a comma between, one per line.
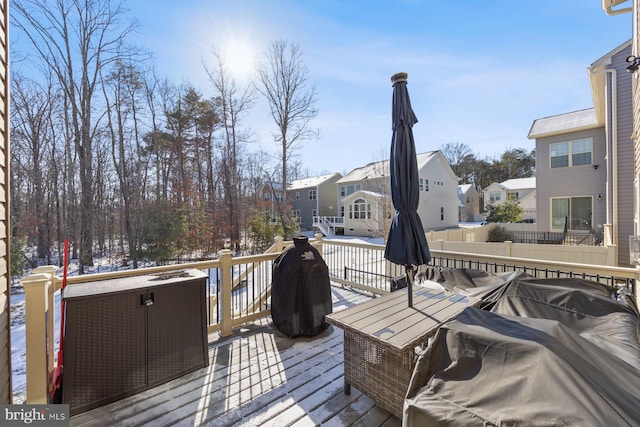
x=123, y=336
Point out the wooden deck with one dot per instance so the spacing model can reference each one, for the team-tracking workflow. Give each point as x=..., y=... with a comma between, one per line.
x=256, y=377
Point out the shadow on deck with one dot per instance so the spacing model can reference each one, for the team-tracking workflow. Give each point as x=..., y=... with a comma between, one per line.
x=257, y=376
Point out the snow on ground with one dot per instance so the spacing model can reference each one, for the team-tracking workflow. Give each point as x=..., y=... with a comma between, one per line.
x=18, y=345
x=18, y=341
x=356, y=239
x=471, y=224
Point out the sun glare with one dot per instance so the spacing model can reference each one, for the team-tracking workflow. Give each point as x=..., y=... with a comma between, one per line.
x=239, y=59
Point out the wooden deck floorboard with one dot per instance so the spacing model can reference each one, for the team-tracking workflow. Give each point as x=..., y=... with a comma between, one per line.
x=256, y=377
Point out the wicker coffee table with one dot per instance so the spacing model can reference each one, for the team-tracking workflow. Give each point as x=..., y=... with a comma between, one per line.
x=380, y=337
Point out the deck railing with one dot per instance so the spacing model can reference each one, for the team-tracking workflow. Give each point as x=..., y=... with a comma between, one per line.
x=239, y=288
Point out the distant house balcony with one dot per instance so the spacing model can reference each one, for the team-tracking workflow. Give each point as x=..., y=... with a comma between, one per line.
x=328, y=225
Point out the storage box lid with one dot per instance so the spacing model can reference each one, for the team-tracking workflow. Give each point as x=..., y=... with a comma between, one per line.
x=127, y=284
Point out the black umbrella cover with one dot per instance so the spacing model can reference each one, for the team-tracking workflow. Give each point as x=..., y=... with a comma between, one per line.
x=406, y=244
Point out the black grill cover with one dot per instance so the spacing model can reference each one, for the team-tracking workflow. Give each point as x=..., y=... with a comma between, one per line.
x=550, y=352
x=300, y=290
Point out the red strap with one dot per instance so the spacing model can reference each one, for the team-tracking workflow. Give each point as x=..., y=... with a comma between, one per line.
x=62, y=313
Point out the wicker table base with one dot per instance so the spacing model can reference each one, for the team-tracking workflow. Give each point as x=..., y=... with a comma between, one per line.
x=380, y=337
x=382, y=373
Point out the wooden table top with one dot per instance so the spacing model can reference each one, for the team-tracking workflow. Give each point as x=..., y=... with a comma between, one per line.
x=390, y=321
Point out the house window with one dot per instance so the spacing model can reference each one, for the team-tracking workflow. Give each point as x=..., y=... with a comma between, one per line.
x=577, y=211
x=441, y=213
x=360, y=209
x=468, y=200
x=342, y=211
x=494, y=196
x=349, y=189
x=426, y=185
x=266, y=197
x=513, y=196
x=297, y=195
x=312, y=194
x=421, y=184
x=295, y=213
x=571, y=153
x=314, y=213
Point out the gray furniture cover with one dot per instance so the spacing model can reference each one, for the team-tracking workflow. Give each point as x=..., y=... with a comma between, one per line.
x=550, y=352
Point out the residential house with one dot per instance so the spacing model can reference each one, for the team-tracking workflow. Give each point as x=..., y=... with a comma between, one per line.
x=311, y=197
x=632, y=66
x=520, y=190
x=364, y=196
x=469, y=203
x=584, y=161
x=272, y=199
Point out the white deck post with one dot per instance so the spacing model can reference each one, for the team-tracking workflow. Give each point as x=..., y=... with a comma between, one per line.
x=279, y=242
x=226, y=275
x=318, y=242
x=37, y=327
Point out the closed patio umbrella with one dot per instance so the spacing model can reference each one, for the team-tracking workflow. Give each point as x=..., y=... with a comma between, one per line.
x=406, y=244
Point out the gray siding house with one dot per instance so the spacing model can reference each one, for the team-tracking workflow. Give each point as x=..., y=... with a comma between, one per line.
x=314, y=196
x=584, y=160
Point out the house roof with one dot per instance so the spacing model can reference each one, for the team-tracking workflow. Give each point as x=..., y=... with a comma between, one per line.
x=563, y=123
x=519, y=183
x=275, y=185
x=373, y=194
x=310, y=182
x=583, y=119
x=463, y=188
x=598, y=79
x=364, y=194
x=370, y=170
x=424, y=158
x=381, y=168
x=606, y=58
x=527, y=197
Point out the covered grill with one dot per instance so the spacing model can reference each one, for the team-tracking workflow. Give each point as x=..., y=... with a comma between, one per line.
x=300, y=290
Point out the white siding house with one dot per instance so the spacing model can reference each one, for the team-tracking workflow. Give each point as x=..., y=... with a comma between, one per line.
x=368, y=188
x=368, y=213
x=469, y=203
x=522, y=190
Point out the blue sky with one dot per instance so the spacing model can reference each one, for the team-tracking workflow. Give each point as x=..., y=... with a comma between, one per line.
x=479, y=72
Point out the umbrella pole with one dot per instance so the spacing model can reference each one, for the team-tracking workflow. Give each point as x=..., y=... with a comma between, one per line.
x=409, y=275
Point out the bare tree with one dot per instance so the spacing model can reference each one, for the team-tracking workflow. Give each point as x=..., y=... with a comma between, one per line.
x=284, y=82
x=456, y=154
x=233, y=103
x=31, y=137
x=76, y=39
